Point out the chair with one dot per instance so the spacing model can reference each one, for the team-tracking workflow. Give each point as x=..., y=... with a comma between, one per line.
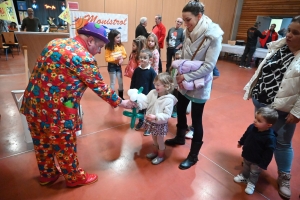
x=10, y=40
x=5, y=48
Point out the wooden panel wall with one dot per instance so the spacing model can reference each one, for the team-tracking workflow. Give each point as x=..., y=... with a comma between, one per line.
x=220, y=11
x=253, y=8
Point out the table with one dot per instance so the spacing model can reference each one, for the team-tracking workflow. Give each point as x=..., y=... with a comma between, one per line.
x=236, y=49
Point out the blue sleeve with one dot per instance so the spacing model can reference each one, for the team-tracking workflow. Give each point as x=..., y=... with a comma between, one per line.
x=216, y=71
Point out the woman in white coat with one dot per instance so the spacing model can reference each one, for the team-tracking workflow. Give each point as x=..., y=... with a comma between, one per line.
x=203, y=41
x=276, y=82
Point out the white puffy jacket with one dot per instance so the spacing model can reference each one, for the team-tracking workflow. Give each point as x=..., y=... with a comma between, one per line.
x=287, y=98
x=162, y=106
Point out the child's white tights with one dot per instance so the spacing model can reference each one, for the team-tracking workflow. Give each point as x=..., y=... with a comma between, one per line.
x=158, y=140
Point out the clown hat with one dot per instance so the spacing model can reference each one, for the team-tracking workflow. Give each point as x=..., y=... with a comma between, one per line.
x=95, y=30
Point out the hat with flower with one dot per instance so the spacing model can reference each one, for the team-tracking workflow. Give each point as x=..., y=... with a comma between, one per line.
x=95, y=30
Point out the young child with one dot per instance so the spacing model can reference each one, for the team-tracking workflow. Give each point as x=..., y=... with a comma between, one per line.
x=259, y=142
x=115, y=54
x=137, y=46
x=159, y=106
x=173, y=73
x=143, y=76
x=152, y=45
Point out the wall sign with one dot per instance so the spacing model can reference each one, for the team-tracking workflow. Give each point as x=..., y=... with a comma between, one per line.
x=108, y=20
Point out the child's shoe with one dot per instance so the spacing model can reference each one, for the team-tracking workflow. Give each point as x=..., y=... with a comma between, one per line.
x=174, y=114
x=154, y=153
x=190, y=134
x=139, y=125
x=159, y=158
x=151, y=155
x=147, y=133
x=250, y=188
x=240, y=179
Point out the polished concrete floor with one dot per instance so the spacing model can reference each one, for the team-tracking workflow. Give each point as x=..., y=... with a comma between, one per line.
x=109, y=148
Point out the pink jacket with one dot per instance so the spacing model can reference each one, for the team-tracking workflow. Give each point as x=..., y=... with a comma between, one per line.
x=186, y=66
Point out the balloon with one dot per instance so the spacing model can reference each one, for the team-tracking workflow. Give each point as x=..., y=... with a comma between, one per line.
x=133, y=94
x=133, y=97
x=132, y=91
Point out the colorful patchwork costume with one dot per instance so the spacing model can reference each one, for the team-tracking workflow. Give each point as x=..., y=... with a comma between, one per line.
x=62, y=72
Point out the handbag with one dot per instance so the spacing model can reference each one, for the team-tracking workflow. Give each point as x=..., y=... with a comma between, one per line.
x=131, y=66
x=198, y=49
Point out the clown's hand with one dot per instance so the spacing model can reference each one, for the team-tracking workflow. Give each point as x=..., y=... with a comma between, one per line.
x=128, y=104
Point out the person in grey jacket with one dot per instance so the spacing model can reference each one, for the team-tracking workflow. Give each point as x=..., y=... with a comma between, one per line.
x=174, y=41
x=276, y=82
x=200, y=30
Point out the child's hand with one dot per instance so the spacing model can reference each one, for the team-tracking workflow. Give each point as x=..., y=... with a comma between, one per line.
x=150, y=117
x=118, y=57
x=121, y=61
x=238, y=145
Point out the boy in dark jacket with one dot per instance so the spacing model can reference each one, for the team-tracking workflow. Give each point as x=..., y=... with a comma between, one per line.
x=259, y=142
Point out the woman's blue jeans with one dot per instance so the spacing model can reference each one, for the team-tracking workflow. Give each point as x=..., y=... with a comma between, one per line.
x=284, y=152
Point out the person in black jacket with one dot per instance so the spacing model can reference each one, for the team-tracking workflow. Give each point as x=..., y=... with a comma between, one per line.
x=250, y=47
x=141, y=28
x=259, y=142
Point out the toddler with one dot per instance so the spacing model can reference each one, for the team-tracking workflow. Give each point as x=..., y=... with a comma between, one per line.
x=259, y=142
x=159, y=106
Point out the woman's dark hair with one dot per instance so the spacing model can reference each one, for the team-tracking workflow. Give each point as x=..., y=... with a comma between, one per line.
x=296, y=19
x=111, y=36
x=195, y=7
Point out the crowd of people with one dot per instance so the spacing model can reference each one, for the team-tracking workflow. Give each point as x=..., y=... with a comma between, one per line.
x=53, y=118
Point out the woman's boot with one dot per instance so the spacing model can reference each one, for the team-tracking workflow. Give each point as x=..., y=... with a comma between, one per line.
x=283, y=182
x=179, y=138
x=121, y=94
x=154, y=153
x=159, y=158
x=192, y=157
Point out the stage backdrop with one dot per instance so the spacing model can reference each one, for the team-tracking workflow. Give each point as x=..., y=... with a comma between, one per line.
x=108, y=20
